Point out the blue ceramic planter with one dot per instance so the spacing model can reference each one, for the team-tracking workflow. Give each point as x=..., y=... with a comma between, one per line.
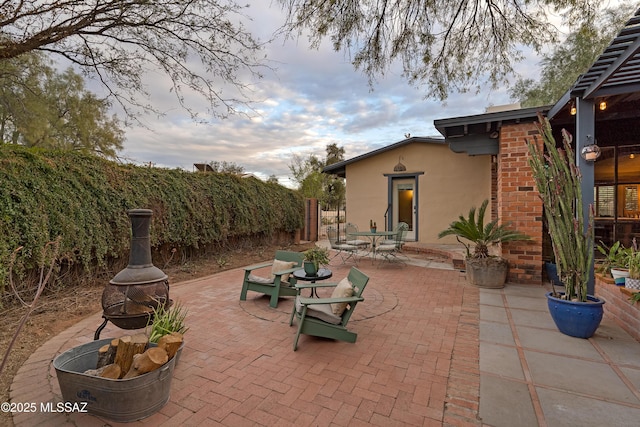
x=552, y=273
x=576, y=319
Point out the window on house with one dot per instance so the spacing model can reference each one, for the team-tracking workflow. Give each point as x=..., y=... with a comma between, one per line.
x=605, y=201
x=617, y=209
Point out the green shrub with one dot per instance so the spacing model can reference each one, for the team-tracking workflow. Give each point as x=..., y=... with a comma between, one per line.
x=84, y=199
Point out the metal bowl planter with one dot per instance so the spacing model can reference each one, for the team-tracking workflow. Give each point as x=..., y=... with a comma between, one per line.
x=574, y=318
x=123, y=400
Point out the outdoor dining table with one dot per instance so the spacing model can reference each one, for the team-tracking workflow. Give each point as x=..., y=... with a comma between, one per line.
x=374, y=236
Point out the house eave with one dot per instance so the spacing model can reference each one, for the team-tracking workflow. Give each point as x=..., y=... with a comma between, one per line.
x=478, y=134
x=340, y=168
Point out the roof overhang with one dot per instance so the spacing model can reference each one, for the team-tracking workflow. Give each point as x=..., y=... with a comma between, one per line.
x=614, y=77
x=617, y=69
x=478, y=134
x=340, y=168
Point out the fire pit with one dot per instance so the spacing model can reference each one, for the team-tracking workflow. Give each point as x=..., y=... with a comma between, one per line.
x=128, y=301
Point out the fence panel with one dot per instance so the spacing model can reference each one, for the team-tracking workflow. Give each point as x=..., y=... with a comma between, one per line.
x=336, y=218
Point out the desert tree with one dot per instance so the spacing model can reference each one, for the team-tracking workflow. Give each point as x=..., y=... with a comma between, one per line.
x=444, y=45
x=573, y=56
x=202, y=46
x=312, y=182
x=43, y=107
x=226, y=167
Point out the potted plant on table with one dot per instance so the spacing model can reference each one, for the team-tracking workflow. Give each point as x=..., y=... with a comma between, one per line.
x=558, y=179
x=313, y=258
x=483, y=269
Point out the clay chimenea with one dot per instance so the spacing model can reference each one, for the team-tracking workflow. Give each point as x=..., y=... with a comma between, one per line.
x=129, y=300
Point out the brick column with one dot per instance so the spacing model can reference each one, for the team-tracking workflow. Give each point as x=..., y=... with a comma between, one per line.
x=310, y=231
x=519, y=203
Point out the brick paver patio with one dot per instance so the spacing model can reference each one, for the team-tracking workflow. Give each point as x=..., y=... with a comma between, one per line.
x=415, y=361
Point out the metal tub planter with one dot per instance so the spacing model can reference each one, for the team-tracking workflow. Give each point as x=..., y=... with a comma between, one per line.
x=122, y=400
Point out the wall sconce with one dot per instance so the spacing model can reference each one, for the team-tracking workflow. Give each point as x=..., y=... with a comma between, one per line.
x=573, y=110
x=399, y=167
x=603, y=105
x=590, y=152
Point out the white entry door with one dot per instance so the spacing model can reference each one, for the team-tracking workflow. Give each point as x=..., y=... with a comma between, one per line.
x=404, y=205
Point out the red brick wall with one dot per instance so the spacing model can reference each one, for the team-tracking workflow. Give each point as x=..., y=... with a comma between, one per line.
x=310, y=231
x=618, y=307
x=519, y=203
x=494, y=188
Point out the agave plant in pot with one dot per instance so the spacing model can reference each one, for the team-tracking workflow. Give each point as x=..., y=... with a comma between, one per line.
x=558, y=179
x=483, y=269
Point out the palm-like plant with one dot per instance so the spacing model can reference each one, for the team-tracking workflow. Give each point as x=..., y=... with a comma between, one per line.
x=482, y=236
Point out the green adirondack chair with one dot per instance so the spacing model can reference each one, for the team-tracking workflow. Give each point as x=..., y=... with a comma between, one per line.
x=281, y=282
x=316, y=317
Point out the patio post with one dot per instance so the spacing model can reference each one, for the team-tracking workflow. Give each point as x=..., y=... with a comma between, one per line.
x=585, y=135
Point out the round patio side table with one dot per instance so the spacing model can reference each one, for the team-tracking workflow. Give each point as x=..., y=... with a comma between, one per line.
x=323, y=274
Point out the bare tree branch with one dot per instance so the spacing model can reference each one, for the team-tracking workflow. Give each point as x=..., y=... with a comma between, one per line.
x=443, y=44
x=50, y=253
x=201, y=45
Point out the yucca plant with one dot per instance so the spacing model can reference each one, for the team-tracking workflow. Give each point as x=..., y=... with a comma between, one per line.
x=473, y=229
x=167, y=320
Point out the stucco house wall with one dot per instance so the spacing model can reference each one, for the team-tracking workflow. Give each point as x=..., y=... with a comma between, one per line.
x=450, y=184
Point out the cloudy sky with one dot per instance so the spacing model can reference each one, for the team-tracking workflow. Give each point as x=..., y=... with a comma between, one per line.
x=314, y=98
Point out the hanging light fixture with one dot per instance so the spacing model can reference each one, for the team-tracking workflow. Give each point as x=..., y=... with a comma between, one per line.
x=399, y=167
x=573, y=110
x=603, y=105
x=590, y=152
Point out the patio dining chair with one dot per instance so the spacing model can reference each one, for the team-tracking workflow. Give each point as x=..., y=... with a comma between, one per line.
x=399, y=225
x=280, y=282
x=353, y=240
x=344, y=250
x=391, y=252
x=328, y=317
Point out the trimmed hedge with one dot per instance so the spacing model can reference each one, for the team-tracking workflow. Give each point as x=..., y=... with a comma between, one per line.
x=84, y=199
